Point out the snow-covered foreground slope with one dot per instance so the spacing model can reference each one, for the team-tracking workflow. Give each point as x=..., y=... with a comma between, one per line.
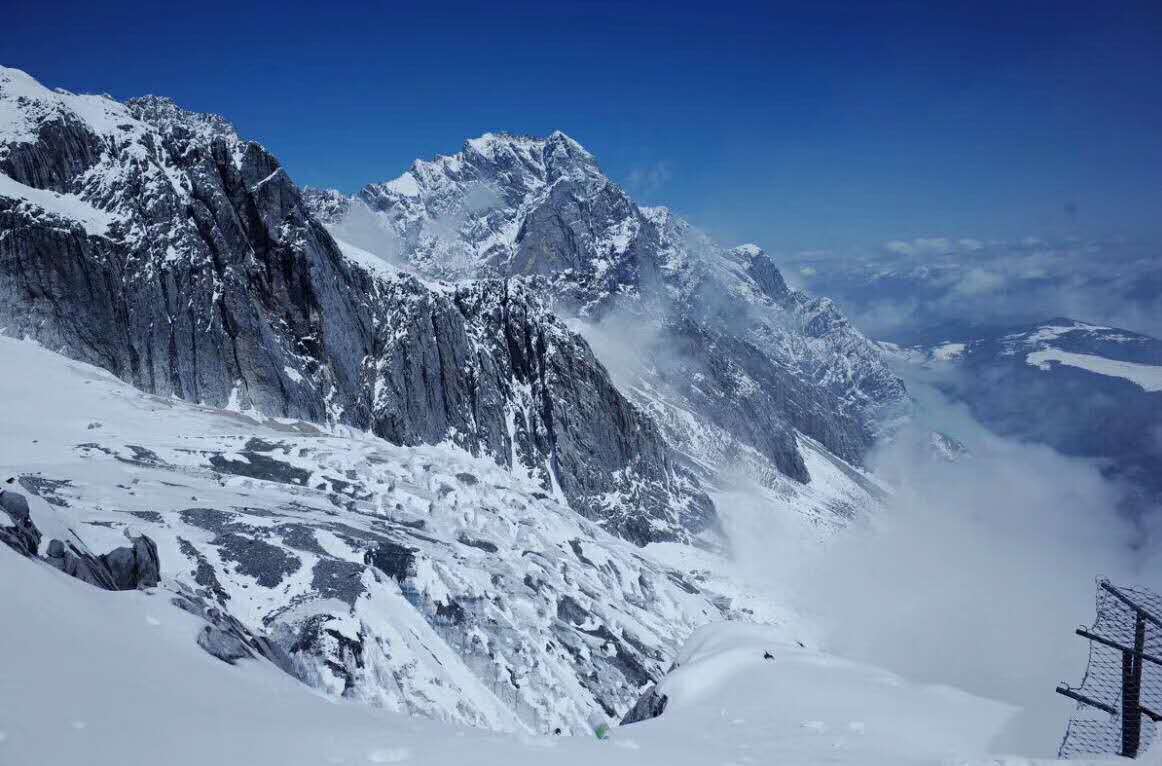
x=419, y=579
x=115, y=679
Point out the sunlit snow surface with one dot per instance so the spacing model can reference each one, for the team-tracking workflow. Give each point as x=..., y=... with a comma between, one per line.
x=515, y=612
x=1146, y=376
x=115, y=679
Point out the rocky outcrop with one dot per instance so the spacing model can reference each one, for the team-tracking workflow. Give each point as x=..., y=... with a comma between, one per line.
x=19, y=533
x=157, y=244
x=651, y=704
x=76, y=561
x=134, y=566
x=125, y=568
x=226, y=638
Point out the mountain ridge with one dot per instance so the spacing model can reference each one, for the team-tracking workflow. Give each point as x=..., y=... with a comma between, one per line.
x=541, y=210
x=213, y=282
x=429, y=495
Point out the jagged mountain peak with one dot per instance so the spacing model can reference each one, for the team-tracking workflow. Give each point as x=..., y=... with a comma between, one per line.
x=30, y=104
x=492, y=145
x=495, y=165
x=164, y=113
x=328, y=205
x=26, y=105
x=721, y=327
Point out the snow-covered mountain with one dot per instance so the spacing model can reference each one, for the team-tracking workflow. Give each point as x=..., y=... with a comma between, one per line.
x=429, y=496
x=729, y=361
x=157, y=244
x=1083, y=389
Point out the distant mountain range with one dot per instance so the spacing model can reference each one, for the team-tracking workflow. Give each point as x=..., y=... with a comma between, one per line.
x=1085, y=390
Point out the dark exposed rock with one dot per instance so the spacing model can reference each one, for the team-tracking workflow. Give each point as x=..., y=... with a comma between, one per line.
x=150, y=516
x=46, y=489
x=222, y=645
x=570, y=611
x=344, y=655
x=392, y=559
x=622, y=657
x=483, y=545
x=301, y=537
x=226, y=638
x=265, y=562
x=124, y=568
x=135, y=566
x=204, y=572
x=651, y=704
x=80, y=564
x=334, y=578
x=207, y=518
x=260, y=466
x=22, y=536
x=450, y=613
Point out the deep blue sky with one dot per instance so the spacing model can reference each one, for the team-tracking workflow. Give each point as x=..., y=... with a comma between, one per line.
x=822, y=125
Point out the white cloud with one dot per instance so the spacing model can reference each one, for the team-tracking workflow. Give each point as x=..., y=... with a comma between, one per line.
x=649, y=179
x=921, y=246
x=978, y=281
x=978, y=570
x=899, y=290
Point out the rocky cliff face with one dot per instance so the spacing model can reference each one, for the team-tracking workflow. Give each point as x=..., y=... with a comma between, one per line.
x=159, y=245
x=715, y=332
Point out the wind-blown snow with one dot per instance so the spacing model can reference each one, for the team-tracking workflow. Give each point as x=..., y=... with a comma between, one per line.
x=948, y=351
x=405, y=185
x=1145, y=376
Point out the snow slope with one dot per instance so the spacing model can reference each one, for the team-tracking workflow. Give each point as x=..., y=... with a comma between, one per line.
x=1146, y=376
x=137, y=690
x=419, y=579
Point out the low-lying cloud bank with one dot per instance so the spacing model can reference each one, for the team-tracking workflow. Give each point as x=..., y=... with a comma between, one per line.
x=977, y=572
x=931, y=289
x=980, y=569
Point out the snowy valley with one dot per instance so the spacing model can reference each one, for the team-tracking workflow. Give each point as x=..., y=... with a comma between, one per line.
x=443, y=471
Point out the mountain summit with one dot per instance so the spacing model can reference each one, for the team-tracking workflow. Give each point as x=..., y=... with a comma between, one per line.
x=697, y=328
